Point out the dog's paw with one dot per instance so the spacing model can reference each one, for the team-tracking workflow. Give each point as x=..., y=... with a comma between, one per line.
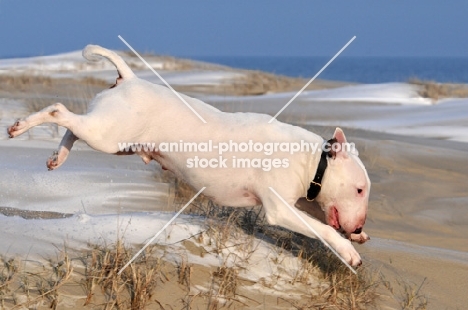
x=349, y=253
x=53, y=161
x=359, y=238
x=17, y=128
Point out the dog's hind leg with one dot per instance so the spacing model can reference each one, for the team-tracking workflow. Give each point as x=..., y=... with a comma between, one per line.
x=59, y=156
x=56, y=113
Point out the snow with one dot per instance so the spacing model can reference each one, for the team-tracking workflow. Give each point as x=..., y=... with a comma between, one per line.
x=448, y=119
x=385, y=93
x=73, y=65
x=193, y=77
x=65, y=62
x=48, y=235
x=400, y=93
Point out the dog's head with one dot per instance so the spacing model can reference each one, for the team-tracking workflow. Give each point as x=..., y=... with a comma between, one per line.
x=345, y=187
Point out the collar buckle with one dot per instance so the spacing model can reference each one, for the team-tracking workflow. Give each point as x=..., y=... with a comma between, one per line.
x=313, y=191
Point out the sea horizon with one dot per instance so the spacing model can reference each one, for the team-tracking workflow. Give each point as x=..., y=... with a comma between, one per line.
x=354, y=69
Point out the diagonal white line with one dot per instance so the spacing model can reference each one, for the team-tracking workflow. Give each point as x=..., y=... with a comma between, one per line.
x=312, y=79
x=313, y=230
x=163, y=80
x=161, y=230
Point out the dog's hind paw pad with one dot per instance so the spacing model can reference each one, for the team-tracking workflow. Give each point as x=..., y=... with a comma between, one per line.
x=17, y=128
x=52, y=162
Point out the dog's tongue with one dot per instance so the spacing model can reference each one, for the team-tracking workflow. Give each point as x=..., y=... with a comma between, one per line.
x=334, y=220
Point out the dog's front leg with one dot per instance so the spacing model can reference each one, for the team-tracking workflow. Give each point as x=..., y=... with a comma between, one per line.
x=359, y=238
x=277, y=213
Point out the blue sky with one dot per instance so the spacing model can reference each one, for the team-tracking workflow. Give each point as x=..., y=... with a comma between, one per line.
x=238, y=28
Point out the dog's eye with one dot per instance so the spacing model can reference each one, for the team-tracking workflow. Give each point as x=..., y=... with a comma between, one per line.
x=359, y=190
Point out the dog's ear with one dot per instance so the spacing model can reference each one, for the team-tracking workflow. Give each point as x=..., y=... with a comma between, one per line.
x=340, y=139
x=339, y=135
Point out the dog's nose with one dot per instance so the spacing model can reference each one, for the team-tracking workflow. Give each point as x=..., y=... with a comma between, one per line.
x=358, y=231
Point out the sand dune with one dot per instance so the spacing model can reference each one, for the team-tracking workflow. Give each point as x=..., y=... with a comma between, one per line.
x=414, y=149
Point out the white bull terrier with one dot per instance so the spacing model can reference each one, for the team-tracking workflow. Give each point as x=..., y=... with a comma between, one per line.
x=137, y=111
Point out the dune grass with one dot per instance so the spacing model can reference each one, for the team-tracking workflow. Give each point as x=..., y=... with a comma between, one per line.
x=39, y=91
x=436, y=91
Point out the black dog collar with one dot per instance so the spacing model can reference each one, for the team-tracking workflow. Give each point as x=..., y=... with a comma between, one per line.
x=316, y=184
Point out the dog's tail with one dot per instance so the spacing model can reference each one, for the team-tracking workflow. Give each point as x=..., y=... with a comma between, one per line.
x=94, y=52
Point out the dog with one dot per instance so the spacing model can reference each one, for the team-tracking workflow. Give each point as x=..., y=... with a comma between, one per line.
x=137, y=111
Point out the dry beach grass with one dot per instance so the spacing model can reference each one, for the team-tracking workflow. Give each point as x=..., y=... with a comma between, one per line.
x=436, y=91
x=156, y=282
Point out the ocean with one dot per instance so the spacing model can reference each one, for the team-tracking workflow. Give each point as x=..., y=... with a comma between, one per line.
x=355, y=69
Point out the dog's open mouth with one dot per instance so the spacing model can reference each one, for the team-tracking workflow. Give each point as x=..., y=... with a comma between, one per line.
x=334, y=219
